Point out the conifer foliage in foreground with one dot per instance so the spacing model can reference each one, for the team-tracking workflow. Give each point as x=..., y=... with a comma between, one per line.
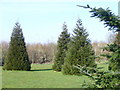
x=17, y=56
x=113, y=22
x=114, y=57
x=79, y=51
x=63, y=41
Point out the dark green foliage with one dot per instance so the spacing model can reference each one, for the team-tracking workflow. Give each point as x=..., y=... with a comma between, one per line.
x=106, y=15
x=111, y=47
x=63, y=41
x=100, y=79
x=114, y=61
x=79, y=52
x=107, y=80
x=113, y=55
x=17, y=56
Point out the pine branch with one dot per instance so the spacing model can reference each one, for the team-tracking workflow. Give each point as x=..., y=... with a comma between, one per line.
x=110, y=19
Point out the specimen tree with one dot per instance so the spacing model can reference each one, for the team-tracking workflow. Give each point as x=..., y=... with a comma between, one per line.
x=62, y=46
x=80, y=51
x=17, y=56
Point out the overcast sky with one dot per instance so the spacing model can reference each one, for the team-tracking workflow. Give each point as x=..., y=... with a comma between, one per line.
x=42, y=20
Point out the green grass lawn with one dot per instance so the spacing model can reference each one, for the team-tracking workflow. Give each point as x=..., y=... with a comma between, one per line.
x=0, y=78
x=103, y=66
x=41, y=76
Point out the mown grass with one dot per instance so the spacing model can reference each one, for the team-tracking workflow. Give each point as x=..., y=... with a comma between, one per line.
x=41, y=76
x=103, y=66
x=0, y=78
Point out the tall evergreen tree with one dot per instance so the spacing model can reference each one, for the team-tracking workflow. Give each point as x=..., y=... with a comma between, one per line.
x=17, y=56
x=63, y=41
x=79, y=51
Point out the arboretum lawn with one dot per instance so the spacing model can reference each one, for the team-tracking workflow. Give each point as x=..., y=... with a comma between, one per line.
x=42, y=76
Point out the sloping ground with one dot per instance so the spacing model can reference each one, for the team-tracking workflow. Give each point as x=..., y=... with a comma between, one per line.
x=42, y=76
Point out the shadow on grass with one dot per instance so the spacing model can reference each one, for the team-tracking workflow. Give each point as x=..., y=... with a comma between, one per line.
x=106, y=63
x=100, y=67
x=41, y=70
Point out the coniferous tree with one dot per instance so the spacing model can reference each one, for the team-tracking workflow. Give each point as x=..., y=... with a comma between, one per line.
x=63, y=41
x=79, y=51
x=17, y=56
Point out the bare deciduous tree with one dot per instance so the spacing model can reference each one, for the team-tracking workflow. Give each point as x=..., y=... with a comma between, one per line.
x=41, y=53
x=3, y=51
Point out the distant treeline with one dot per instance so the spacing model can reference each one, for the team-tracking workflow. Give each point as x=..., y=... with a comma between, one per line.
x=38, y=53
x=44, y=53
